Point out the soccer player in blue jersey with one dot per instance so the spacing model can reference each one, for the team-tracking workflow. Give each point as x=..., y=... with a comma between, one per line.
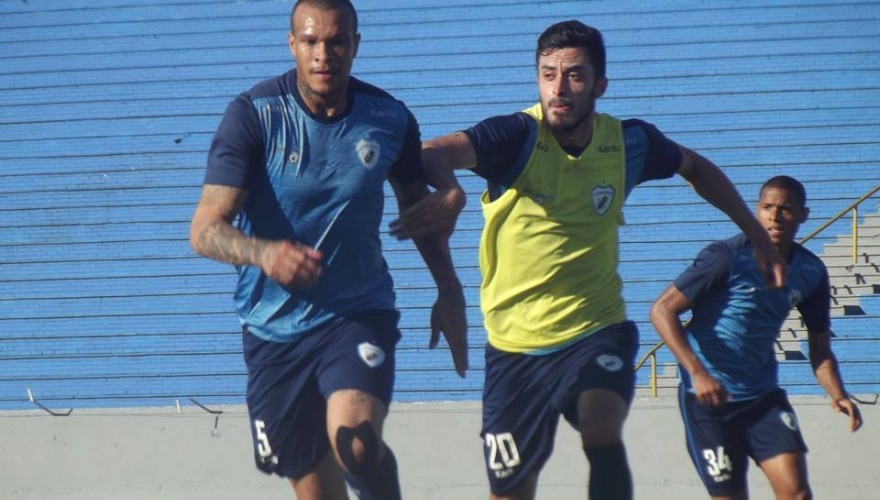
x=730, y=399
x=301, y=160
x=560, y=343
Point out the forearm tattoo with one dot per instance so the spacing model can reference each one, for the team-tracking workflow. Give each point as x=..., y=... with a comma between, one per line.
x=220, y=241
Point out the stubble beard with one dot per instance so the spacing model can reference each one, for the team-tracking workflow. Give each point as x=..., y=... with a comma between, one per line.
x=561, y=127
x=320, y=101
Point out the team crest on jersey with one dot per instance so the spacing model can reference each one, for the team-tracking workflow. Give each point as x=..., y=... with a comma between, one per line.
x=789, y=420
x=372, y=355
x=603, y=198
x=368, y=153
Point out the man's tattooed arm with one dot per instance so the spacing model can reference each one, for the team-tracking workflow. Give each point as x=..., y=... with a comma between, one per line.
x=212, y=234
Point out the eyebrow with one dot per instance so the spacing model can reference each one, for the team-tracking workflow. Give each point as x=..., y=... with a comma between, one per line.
x=580, y=67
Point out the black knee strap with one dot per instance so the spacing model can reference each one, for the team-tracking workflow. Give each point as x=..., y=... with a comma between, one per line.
x=345, y=437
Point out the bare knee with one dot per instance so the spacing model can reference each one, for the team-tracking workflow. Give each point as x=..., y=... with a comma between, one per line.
x=525, y=491
x=801, y=493
x=601, y=415
x=787, y=473
x=597, y=435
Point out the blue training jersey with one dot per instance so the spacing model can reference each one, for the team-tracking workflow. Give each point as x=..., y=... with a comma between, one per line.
x=504, y=143
x=736, y=319
x=319, y=182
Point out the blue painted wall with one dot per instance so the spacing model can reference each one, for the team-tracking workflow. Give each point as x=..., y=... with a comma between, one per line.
x=107, y=108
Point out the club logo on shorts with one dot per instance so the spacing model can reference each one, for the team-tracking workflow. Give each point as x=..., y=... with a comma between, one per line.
x=603, y=198
x=789, y=419
x=610, y=362
x=372, y=355
x=368, y=153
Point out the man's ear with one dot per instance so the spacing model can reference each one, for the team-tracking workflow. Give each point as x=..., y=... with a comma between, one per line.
x=291, y=44
x=601, y=86
x=356, y=44
x=805, y=214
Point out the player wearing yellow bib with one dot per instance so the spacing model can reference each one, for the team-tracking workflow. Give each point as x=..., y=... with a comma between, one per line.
x=559, y=340
x=561, y=213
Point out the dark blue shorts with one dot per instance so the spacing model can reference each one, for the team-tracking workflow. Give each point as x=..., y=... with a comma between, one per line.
x=289, y=383
x=720, y=440
x=524, y=395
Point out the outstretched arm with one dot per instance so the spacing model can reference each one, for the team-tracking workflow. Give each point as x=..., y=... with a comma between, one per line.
x=828, y=374
x=711, y=184
x=212, y=235
x=438, y=212
x=448, y=313
x=665, y=316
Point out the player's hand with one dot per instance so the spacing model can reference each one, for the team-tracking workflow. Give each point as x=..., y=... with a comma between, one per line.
x=771, y=264
x=848, y=407
x=292, y=265
x=448, y=316
x=708, y=390
x=435, y=214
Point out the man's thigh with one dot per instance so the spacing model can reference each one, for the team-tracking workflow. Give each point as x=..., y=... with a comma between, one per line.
x=717, y=447
x=773, y=428
x=519, y=417
x=289, y=384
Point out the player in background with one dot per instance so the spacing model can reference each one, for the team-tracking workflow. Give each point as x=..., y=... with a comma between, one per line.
x=729, y=395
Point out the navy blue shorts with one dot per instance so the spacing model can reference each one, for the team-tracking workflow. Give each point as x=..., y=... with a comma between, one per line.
x=721, y=439
x=289, y=383
x=524, y=395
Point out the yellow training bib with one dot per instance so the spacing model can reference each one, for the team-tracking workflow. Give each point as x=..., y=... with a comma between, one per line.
x=549, y=249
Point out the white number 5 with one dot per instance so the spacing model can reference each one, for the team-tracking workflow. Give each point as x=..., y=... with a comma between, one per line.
x=263, y=447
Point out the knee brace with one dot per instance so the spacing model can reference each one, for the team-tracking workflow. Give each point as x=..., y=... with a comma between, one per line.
x=371, y=478
x=345, y=437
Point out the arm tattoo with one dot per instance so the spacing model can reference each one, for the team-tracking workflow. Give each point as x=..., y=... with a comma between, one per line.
x=220, y=241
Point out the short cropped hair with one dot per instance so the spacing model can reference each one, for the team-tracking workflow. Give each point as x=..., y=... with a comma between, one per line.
x=790, y=184
x=574, y=34
x=327, y=5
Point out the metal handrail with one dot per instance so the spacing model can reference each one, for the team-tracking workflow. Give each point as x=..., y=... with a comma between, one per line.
x=854, y=207
x=855, y=223
x=652, y=353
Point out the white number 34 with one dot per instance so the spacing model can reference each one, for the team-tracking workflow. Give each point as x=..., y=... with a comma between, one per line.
x=717, y=461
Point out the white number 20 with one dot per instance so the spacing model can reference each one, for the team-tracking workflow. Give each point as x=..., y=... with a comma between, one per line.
x=504, y=447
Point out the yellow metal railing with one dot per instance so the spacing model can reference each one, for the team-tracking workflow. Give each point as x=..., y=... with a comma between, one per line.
x=854, y=207
x=652, y=353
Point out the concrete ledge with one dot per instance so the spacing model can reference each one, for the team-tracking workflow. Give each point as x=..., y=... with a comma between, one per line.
x=157, y=453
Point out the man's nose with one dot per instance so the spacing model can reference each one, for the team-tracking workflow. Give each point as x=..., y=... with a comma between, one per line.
x=322, y=52
x=559, y=87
